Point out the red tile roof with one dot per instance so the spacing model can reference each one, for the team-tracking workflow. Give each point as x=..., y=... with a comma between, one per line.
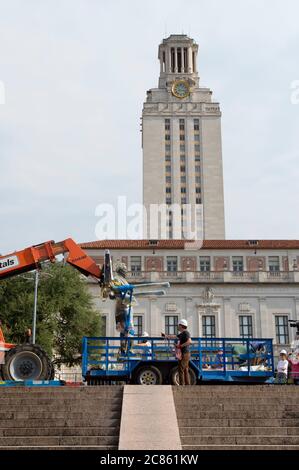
x=179, y=244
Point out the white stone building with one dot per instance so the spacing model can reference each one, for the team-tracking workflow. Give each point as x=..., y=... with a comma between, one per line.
x=229, y=288
x=181, y=141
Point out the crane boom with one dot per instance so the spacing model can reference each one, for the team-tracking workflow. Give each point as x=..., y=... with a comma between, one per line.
x=31, y=258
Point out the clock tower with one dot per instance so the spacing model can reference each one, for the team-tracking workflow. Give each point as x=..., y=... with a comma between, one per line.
x=181, y=140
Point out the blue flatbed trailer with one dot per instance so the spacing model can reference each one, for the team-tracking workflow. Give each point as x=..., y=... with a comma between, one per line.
x=105, y=359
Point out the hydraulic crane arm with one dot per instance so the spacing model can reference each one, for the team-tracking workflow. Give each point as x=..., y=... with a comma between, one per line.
x=31, y=258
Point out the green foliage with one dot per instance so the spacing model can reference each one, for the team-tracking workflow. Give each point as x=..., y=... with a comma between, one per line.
x=65, y=311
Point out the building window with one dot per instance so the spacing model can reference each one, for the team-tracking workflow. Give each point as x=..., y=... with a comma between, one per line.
x=183, y=158
x=167, y=136
x=172, y=263
x=208, y=326
x=198, y=190
x=136, y=264
x=197, y=168
x=182, y=148
x=182, y=124
x=167, y=124
x=168, y=179
x=183, y=190
x=183, y=200
x=167, y=158
x=182, y=136
x=183, y=168
x=196, y=137
x=168, y=168
x=168, y=200
x=138, y=325
x=204, y=263
x=167, y=147
x=183, y=179
x=197, y=179
x=171, y=324
x=197, y=158
x=274, y=263
x=238, y=264
x=282, y=329
x=168, y=189
x=245, y=323
x=196, y=124
x=197, y=147
x=198, y=200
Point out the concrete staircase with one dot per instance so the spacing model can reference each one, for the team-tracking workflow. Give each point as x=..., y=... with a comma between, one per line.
x=234, y=417
x=60, y=417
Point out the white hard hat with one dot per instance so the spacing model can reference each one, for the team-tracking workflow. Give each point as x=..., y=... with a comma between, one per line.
x=183, y=322
x=145, y=333
x=283, y=351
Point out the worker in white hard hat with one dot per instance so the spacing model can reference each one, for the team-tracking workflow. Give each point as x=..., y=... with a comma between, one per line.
x=282, y=368
x=183, y=347
x=145, y=342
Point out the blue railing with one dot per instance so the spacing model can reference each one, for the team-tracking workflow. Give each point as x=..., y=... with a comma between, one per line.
x=211, y=358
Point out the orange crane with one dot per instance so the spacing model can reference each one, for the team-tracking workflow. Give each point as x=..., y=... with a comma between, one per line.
x=29, y=361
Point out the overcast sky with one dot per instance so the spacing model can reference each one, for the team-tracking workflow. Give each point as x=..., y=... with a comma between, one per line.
x=76, y=73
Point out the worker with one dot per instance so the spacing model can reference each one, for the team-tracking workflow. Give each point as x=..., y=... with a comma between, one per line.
x=282, y=368
x=145, y=343
x=183, y=345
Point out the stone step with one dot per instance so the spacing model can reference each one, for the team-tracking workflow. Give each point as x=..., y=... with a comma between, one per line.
x=240, y=440
x=237, y=401
x=60, y=431
x=232, y=447
x=56, y=414
x=59, y=441
x=67, y=407
x=229, y=406
x=245, y=414
x=238, y=431
x=33, y=401
x=60, y=422
x=60, y=447
x=194, y=422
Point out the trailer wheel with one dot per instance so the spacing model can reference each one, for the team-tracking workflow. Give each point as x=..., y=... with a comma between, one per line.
x=27, y=362
x=148, y=375
x=174, y=376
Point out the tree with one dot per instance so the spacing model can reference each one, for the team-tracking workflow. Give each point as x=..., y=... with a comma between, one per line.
x=65, y=311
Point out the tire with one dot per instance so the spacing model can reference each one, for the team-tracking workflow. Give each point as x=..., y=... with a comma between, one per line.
x=174, y=376
x=27, y=362
x=148, y=375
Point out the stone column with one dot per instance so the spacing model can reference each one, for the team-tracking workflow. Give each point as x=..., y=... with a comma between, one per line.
x=175, y=59
x=190, y=65
x=182, y=60
x=169, y=60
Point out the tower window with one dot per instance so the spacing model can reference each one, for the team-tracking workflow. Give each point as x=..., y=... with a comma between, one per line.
x=183, y=200
x=198, y=190
x=182, y=124
x=198, y=200
x=183, y=179
x=197, y=179
x=168, y=168
x=183, y=190
x=167, y=158
x=183, y=158
x=167, y=147
x=183, y=168
x=168, y=179
x=167, y=136
x=182, y=136
x=197, y=168
x=197, y=147
x=182, y=147
x=196, y=137
x=196, y=124
x=167, y=124
x=197, y=158
x=168, y=189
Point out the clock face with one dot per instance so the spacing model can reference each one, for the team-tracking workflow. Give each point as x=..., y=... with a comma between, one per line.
x=180, y=89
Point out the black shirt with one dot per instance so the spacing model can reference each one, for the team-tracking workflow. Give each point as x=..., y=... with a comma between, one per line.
x=183, y=337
